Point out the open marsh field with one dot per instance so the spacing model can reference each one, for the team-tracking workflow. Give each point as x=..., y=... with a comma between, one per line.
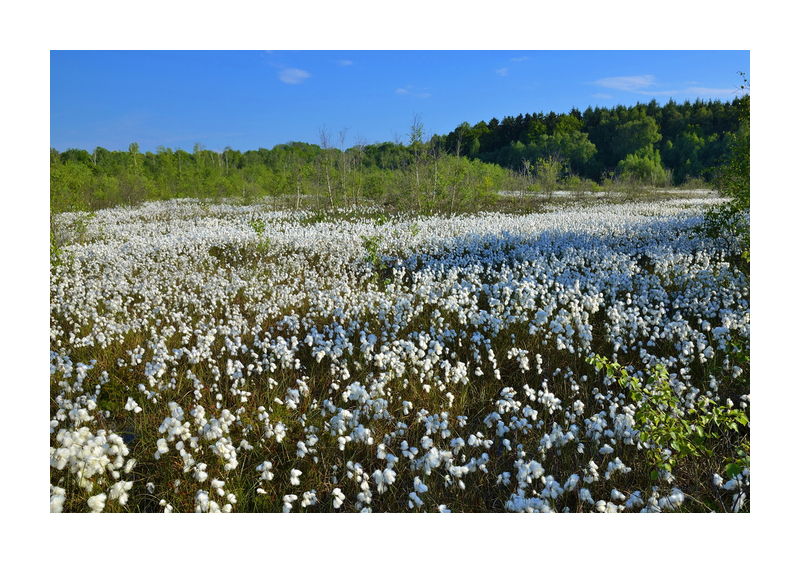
x=219, y=357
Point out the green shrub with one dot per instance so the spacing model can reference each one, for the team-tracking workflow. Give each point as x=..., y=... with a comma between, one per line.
x=258, y=226
x=643, y=167
x=371, y=245
x=733, y=181
x=661, y=420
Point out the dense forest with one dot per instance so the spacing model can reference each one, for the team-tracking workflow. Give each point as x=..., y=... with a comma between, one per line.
x=644, y=144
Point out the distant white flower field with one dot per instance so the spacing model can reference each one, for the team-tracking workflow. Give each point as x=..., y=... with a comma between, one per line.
x=223, y=358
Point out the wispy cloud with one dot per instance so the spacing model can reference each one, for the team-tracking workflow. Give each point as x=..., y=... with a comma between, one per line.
x=642, y=84
x=627, y=83
x=602, y=96
x=293, y=75
x=702, y=91
x=344, y=62
x=502, y=71
x=519, y=59
x=413, y=91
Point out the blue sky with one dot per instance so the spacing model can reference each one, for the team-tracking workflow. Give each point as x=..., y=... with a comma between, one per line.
x=251, y=99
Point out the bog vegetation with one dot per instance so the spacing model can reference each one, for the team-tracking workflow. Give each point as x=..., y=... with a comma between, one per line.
x=318, y=350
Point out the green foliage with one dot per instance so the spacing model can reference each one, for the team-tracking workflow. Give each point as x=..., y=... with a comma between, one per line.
x=643, y=167
x=734, y=178
x=733, y=218
x=381, y=272
x=732, y=222
x=81, y=226
x=58, y=254
x=460, y=171
x=264, y=244
x=258, y=226
x=693, y=138
x=736, y=464
x=371, y=245
x=634, y=136
x=581, y=185
x=69, y=185
x=391, y=174
x=573, y=148
x=548, y=173
x=664, y=423
x=264, y=241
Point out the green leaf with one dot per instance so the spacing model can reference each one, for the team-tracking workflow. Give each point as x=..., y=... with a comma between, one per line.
x=733, y=469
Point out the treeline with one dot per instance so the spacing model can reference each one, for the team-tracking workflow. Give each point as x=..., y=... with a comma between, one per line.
x=649, y=142
x=417, y=176
x=645, y=144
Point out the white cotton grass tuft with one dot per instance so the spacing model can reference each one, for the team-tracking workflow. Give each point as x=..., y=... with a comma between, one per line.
x=119, y=492
x=57, y=498
x=287, y=502
x=224, y=325
x=131, y=405
x=338, y=497
x=97, y=503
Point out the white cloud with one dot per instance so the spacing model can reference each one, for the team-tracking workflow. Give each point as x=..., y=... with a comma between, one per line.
x=696, y=91
x=628, y=83
x=413, y=91
x=344, y=62
x=519, y=59
x=293, y=75
x=701, y=91
x=602, y=96
x=641, y=84
x=502, y=71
